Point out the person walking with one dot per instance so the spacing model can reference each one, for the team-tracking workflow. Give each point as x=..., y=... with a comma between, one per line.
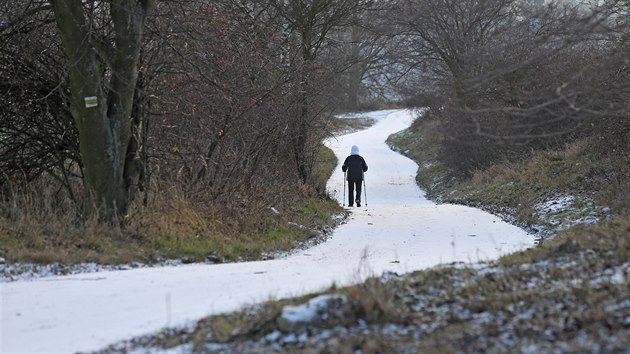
x=356, y=166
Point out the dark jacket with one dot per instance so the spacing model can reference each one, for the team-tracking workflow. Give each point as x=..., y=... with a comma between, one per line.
x=355, y=165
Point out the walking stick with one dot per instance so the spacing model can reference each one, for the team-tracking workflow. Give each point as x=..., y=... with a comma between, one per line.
x=344, y=188
x=365, y=190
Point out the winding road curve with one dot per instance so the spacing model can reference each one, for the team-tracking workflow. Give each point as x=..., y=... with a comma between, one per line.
x=399, y=231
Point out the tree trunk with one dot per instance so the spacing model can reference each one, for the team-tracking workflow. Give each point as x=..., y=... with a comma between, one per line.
x=355, y=73
x=301, y=139
x=103, y=115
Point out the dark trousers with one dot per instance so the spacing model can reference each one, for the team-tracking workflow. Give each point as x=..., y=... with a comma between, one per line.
x=351, y=186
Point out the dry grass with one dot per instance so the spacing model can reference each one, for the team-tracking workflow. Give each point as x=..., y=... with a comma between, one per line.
x=375, y=302
x=347, y=125
x=41, y=225
x=596, y=172
x=169, y=227
x=611, y=237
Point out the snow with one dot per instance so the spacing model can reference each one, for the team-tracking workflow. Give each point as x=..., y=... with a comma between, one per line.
x=555, y=205
x=308, y=311
x=565, y=211
x=399, y=231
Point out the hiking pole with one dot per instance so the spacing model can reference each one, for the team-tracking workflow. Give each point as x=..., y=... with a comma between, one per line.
x=344, y=188
x=365, y=190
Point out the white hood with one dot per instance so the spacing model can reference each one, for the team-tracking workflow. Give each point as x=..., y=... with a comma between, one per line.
x=354, y=150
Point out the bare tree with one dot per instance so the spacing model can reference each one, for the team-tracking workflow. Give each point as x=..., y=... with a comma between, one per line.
x=37, y=134
x=238, y=94
x=223, y=109
x=103, y=75
x=363, y=45
x=511, y=76
x=313, y=21
x=447, y=37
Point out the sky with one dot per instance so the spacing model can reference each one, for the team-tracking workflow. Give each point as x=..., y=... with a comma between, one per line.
x=396, y=230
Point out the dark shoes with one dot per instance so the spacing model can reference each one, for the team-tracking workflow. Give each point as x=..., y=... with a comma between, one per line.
x=358, y=203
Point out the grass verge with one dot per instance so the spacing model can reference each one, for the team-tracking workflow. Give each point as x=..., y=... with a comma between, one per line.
x=35, y=228
x=584, y=183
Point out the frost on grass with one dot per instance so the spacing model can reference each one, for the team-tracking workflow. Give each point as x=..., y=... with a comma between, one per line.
x=565, y=211
x=318, y=310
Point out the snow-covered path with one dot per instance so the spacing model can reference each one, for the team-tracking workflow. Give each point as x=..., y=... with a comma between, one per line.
x=399, y=231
